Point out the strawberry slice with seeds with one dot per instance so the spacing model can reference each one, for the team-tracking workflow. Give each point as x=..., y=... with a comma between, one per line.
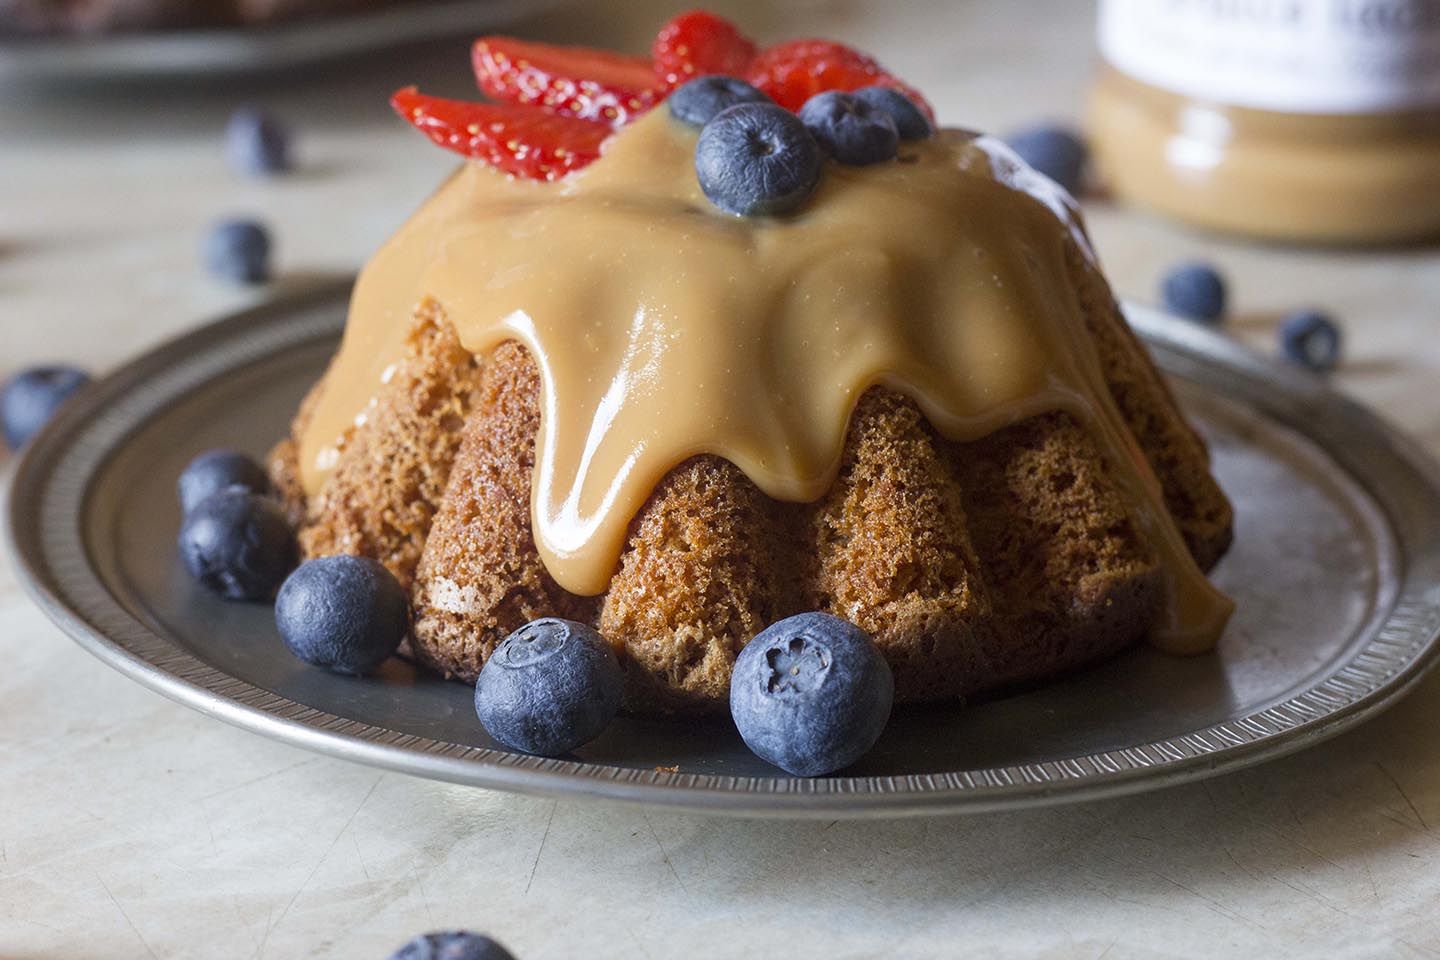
x=793, y=72
x=569, y=81
x=519, y=140
x=698, y=43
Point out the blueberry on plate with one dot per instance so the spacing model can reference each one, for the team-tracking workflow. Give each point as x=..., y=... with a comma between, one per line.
x=256, y=143
x=346, y=614
x=853, y=131
x=757, y=159
x=216, y=470
x=910, y=121
x=811, y=694
x=1312, y=340
x=549, y=687
x=452, y=945
x=237, y=544
x=1195, y=291
x=239, y=251
x=31, y=398
x=1058, y=153
x=697, y=101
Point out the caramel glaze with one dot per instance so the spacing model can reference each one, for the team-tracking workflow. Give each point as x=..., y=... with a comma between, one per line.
x=664, y=328
x=1314, y=178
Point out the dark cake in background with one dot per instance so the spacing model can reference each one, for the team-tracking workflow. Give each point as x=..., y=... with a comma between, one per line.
x=48, y=17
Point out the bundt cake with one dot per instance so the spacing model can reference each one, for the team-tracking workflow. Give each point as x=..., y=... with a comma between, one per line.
x=573, y=387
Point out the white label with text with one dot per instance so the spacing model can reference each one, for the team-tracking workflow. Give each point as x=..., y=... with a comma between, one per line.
x=1294, y=56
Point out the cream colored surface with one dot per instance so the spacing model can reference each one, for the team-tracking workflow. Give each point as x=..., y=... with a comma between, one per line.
x=664, y=328
x=131, y=827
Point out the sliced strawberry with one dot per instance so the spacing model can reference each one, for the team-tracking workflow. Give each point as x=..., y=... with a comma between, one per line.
x=571, y=81
x=793, y=72
x=520, y=140
x=697, y=43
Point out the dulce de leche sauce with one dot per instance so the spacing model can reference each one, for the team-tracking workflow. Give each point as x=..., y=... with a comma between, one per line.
x=664, y=328
x=1307, y=120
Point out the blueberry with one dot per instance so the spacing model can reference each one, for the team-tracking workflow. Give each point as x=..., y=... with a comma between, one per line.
x=1058, y=153
x=217, y=470
x=238, y=250
x=697, y=101
x=31, y=398
x=755, y=159
x=1195, y=291
x=343, y=613
x=452, y=945
x=549, y=687
x=1311, y=339
x=811, y=694
x=237, y=544
x=910, y=120
x=256, y=143
x=853, y=131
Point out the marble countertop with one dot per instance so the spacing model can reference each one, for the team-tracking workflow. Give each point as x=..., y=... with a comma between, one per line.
x=132, y=827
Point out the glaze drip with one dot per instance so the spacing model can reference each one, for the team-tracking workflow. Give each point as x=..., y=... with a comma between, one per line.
x=664, y=328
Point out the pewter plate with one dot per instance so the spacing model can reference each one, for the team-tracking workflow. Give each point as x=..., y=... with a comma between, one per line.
x=226, y=51
x=1335, y=569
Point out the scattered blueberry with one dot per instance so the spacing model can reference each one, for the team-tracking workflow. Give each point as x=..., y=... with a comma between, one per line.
x=238, y=250
x=1195, y=291
x=216, y=470
x=910, y=120
x=256, y=143
x=343, y=613
x=811, y=694
x=31, y=398
x=1058, y=153
x=452, y=945
x=851, y=130
x=755, y=159
x=1311, y=339
x=698, y=101
x=237, y=544
x=549, y=687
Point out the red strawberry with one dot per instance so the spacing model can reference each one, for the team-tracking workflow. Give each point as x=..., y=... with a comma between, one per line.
x=794, y=72
x=570, y=81
x=697, y=43
x=520, y=140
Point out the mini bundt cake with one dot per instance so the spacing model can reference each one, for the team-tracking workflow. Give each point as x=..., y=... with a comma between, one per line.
x=571, y=386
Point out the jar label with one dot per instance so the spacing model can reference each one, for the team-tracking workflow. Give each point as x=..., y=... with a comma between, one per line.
x=1294, y=56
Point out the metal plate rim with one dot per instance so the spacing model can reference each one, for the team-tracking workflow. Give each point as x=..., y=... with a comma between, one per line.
x=35, y=526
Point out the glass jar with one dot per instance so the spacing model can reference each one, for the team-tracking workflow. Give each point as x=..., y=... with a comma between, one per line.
x=1303, y=120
